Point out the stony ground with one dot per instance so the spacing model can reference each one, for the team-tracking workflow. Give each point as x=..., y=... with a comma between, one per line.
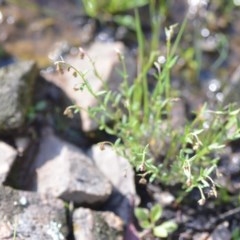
x=56, y=182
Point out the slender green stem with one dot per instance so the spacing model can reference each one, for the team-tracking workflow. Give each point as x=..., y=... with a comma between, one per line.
x=138, y=91
x=140, y=40
x=155, y=15
x=179, y=36
x=82, y=76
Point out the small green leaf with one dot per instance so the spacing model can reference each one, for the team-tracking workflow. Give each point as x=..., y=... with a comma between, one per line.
x=109, y=130
x=141, y=213
x=215, y=146
x=152, y=178
x=100, y=93
x=145, y=224
x=125, y=20
x=117, y=142
x=155, y=213
x=188, y=150
x=41, y=105
x=107, y=98
x=198, y=131
x=160, y=231
x=204, y=183
x=164, y=229
x=234, y=112
x=170, y=226
x=173, y=61
x=208, y=171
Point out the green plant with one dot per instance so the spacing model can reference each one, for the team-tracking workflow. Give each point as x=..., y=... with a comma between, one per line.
x=142, y=118
x=95, y=8
x=118, y=11
x=33, y=110
x=149, y=221
x=235, y=234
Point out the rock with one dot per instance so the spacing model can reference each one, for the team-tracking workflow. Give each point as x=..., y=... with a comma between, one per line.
x=164, y=198
x=201, y=236
x=107, y=63
x=27, y=148
x=178, y=114
x=229, y=169
x=231, y=91
x=16, y=93
x=8, y=155
x=119, y=171
x=221, y=232
x=31, y=216
x=43, y=29
x=93, y=225
x=201, y=221
x=64, y=171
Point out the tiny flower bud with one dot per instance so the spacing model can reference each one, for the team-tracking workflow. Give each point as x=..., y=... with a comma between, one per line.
x=142, y=167
x=201, y=201
x=82, y=53
x=75, y=74
x=158, y=67
x=188, y=182
x=142, y=181
x=76, y=87
x=68, y=112
x=120, y=55
x=59, y=68
x=102, y=146
x=170, y=31
x=161, y=60
x=214, y=191
x=196, y=146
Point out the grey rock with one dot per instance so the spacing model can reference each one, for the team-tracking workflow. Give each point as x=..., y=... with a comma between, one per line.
x=107, y=63
x=16, y=86
x=201, y=236
x=116, y=168
x=221, y=232
x=228, y=169
x=64, y=171
x=93, y=225
x=8, y=155
x=164, y=198
x=119, y=171
x=231, y=91
x=31, y=216
x=19, y=175
x=178, y=114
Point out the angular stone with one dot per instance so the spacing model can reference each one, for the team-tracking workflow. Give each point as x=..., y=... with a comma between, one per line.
x=201, y=236
x=16, y=86
x=107, y=63
x=93, y=225
x=64, y=171
x=29, y=216
x=221, y=232
x=231, y=90
x=43, y=30
x=8, y=155
x=19, y=176
x=119, y=171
